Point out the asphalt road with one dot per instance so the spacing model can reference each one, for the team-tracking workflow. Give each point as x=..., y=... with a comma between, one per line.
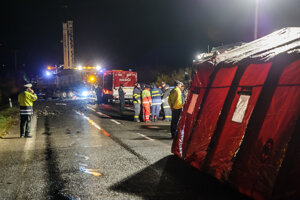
x=81, y=151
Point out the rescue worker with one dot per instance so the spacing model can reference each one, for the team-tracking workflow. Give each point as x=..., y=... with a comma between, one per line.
x=26, y=99
x=156, y=94
x=147, y=102
x=175, y=102
x=137, y=91
x=122, y=99
x=165, y=104
x=163, y=85
x=99, y=94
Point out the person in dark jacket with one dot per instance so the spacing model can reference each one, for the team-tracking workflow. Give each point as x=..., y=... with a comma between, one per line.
x=137, y=91
x=99, y=95
x=122, y=98
x=165, y=104
x=156, y=94
x=163, y=85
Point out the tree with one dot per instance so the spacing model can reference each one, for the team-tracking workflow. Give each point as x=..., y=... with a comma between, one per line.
x=179, y=74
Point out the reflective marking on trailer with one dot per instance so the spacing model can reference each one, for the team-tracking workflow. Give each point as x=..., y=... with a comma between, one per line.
x=115, y=121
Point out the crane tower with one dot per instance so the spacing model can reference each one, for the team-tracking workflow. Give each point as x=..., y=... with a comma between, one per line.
x=68, y=44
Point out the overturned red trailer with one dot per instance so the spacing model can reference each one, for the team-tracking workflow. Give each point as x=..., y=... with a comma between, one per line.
x=241, y=120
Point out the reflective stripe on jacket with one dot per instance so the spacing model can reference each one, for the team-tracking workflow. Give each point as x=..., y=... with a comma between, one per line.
x=137, y=95
x=26, y=110
x=146, y=96
x=166, y=97
x=26, y=100
x=156, y=94
x=175, y=98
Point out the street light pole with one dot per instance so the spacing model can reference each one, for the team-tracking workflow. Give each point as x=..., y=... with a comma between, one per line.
x=256, y=19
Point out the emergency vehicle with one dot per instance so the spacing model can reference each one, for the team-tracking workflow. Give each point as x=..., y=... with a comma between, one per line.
x=111, y=80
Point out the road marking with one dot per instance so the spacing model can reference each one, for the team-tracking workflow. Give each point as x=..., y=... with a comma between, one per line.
x=100, y=113
x=28, y=154
x=91, y=108
x=93, y=123
x=145, y=136
x=115, y=121
x=82, y=156
x=153, y=140
x=61, y=104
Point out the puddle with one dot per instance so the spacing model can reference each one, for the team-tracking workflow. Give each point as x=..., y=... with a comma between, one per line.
x=94, y=172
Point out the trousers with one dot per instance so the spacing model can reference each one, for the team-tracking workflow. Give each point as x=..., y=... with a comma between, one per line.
x=122, y=106
x=155, y=111
x=25, y=125
x=175, y=118
x=146, y=112
x=137, y=111
x=168, y=113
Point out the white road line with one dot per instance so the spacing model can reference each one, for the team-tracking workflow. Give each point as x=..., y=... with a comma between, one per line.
x=154, y=140
x=144, y=136
x=115, y=121
x=103, y=115
x=100, y=113
x=89, y=120
x=91, y=108
x=28, y=154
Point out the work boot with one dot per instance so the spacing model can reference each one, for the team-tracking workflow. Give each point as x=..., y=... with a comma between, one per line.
x=28, y=136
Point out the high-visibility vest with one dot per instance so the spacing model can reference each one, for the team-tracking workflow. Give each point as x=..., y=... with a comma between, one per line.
x=146, y=96
x=175, y=98
x=26, y=100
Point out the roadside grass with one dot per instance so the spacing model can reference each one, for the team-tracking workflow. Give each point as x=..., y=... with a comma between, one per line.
x=8, y=116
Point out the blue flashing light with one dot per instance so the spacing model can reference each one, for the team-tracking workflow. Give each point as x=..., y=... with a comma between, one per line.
x=85, y=93
x=48, y=73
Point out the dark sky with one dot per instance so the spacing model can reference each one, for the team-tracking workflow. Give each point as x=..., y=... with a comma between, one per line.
x=140, y=34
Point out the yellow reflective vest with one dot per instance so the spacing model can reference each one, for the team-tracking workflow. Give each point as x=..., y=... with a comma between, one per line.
x=146, y=97
x=175, y=98
x=26, y=98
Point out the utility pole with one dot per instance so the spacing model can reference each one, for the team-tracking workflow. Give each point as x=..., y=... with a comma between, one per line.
x=256, y=19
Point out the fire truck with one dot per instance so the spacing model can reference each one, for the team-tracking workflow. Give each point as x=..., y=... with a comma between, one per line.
x=111, y=80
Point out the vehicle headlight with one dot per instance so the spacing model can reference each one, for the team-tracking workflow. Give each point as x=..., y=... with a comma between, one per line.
x=85, y=93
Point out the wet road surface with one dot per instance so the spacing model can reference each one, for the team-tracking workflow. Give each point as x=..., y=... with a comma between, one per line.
x=81, y=151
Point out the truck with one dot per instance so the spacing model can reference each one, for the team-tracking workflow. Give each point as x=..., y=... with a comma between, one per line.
x=68, y=83
x=111, y=80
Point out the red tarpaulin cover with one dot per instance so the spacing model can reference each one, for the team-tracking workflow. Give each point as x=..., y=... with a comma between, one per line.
x=191, y=108
x=241, y=120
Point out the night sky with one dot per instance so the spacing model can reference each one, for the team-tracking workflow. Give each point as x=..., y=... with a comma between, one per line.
x=140, y=34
